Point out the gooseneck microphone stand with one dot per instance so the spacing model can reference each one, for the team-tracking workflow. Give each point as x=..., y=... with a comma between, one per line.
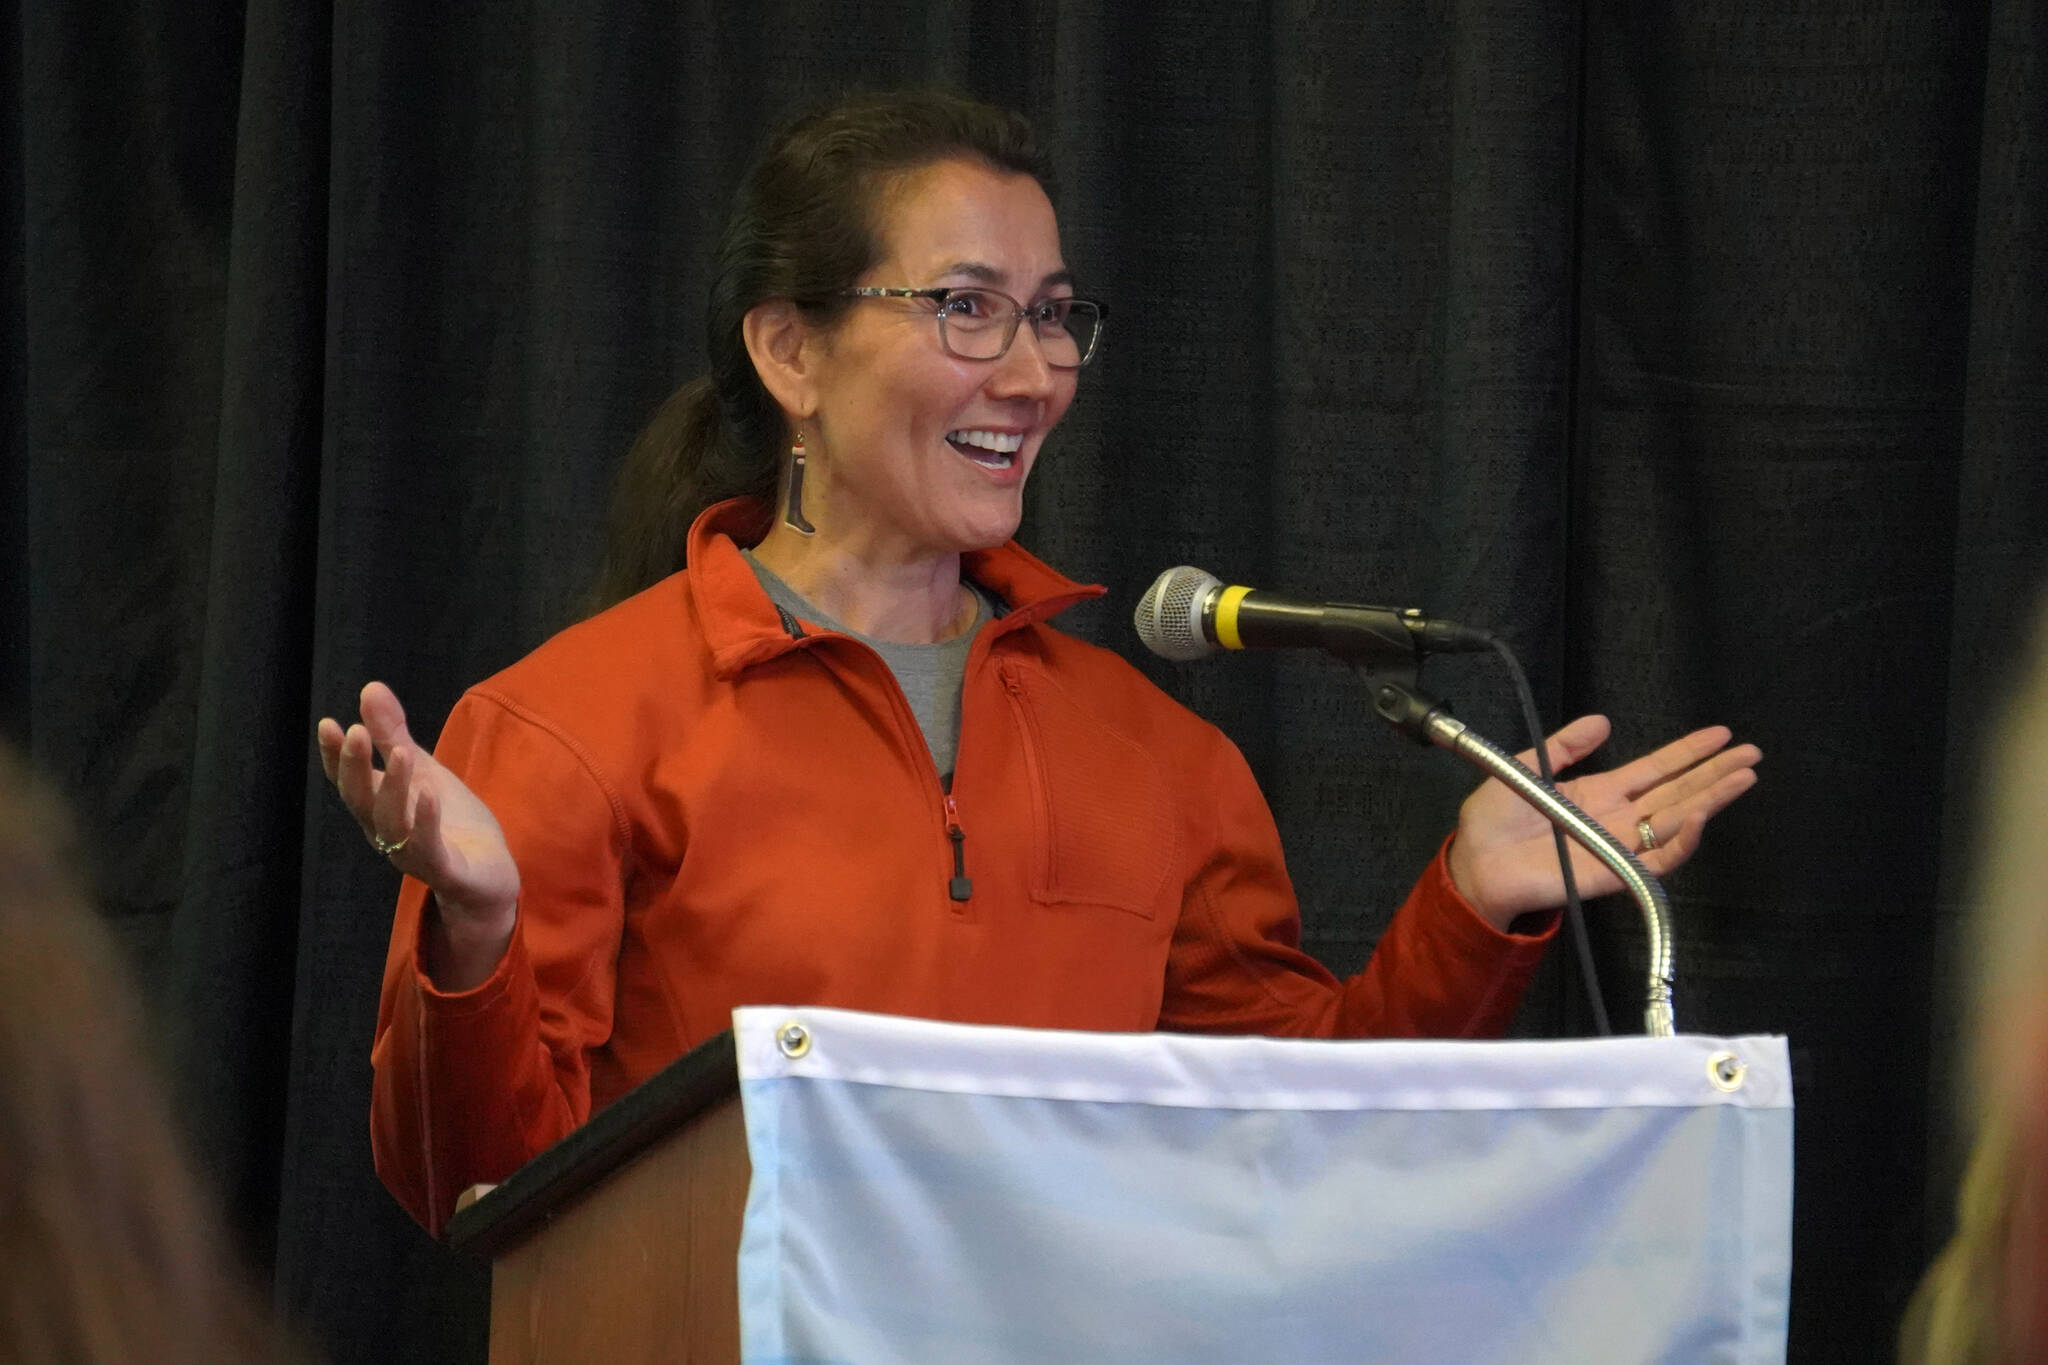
x=1387, y=646
x=1398, y=699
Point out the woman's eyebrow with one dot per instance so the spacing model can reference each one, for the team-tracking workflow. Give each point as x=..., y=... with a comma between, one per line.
x=989, y=275
x=976, y=270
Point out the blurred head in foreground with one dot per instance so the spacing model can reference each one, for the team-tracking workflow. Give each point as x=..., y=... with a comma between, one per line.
x=107, y=1252
x=1986, y=1297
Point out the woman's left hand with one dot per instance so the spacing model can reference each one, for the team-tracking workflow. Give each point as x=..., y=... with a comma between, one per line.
x=1504, y=860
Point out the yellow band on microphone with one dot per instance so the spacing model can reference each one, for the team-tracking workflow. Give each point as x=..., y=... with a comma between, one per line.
x=1226, y=616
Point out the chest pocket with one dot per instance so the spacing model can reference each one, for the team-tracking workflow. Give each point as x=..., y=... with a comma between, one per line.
x=1104, y=824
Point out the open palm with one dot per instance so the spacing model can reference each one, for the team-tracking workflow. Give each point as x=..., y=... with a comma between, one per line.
x=432, y=825
x=1504, y=859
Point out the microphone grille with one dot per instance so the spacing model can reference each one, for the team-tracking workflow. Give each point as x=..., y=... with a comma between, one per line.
x=1169, y=615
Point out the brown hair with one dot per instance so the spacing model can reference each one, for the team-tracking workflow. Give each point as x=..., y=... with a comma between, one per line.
x=111, y=1255
x=807, y=222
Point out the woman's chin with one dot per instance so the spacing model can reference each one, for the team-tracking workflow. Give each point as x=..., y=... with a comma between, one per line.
x=989, y=523
x=998, y=531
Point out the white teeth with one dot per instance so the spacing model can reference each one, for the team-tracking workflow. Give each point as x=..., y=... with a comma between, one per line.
x=1002, y=442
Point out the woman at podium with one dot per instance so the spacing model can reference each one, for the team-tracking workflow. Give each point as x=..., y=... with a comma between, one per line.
x=828, y=746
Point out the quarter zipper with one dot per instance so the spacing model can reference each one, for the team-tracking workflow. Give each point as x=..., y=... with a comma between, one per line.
x=959, y=887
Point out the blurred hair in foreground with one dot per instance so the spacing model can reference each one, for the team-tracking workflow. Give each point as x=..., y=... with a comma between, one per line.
x=1985, y=1299
x=108, y=1253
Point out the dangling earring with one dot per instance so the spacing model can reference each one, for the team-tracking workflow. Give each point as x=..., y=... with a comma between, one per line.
x=793, y=502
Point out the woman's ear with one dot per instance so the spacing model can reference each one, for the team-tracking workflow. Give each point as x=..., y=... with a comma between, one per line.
x=781, y=344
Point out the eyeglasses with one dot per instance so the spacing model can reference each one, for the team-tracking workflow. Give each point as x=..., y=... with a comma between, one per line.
x=980, y=324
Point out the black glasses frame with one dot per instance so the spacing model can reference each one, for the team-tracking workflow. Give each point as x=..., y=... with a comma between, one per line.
x=1018, y=313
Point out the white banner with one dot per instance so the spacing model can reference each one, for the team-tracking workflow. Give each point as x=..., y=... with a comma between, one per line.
x=958, y=1195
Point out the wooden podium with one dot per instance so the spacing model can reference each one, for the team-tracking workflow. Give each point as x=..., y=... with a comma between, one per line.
x=953, y=1193
x=619, y=1244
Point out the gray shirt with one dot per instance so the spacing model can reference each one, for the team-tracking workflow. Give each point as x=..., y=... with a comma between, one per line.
x=930, y=675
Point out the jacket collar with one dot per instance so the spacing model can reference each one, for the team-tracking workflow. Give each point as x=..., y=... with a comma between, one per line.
x=743, y=628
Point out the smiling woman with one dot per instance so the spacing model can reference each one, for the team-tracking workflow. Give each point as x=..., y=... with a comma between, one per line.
x=814, y=236
x=823, y=745
x=918, y=453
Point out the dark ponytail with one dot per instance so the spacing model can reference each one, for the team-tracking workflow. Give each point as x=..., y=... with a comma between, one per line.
x=807, y=222
x=678, y=465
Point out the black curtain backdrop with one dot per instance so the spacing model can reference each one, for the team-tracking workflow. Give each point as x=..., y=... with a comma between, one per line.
x=1698, y=348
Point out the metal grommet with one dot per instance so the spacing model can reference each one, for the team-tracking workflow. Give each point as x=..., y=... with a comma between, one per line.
x=794, y=1039
x=1726, y=1071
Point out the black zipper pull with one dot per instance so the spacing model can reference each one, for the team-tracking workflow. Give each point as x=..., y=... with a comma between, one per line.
x=960, y=888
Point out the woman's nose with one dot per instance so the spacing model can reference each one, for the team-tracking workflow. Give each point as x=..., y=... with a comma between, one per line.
x=1023, y=371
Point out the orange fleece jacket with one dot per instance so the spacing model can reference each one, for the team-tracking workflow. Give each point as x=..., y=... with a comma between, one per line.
x=713, y=806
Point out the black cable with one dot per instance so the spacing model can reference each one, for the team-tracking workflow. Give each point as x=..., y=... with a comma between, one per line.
x=1574, y=913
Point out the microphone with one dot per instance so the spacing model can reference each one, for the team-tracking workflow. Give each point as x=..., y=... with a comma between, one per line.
x=1188, y=613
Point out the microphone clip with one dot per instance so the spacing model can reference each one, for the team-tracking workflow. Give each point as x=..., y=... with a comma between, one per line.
x=1398, y=697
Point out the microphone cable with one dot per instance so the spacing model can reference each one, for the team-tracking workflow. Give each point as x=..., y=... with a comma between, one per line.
x=1574, y=912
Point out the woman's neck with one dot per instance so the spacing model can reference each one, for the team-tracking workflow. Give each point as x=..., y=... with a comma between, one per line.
x=918, y=601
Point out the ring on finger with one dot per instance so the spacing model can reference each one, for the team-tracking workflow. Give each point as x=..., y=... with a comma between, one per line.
x=387, y=847
x=1646, y=833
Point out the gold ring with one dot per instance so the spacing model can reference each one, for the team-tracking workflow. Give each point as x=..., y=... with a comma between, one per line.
x=1649, y=835
x=387, y=847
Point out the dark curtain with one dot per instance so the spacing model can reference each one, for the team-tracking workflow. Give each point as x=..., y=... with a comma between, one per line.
x=1697, y=348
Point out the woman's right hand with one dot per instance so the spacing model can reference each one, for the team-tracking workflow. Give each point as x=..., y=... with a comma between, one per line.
x=430, y=826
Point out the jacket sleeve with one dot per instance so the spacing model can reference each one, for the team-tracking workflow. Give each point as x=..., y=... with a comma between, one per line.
x=1236, y=964
x=469, y=1086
